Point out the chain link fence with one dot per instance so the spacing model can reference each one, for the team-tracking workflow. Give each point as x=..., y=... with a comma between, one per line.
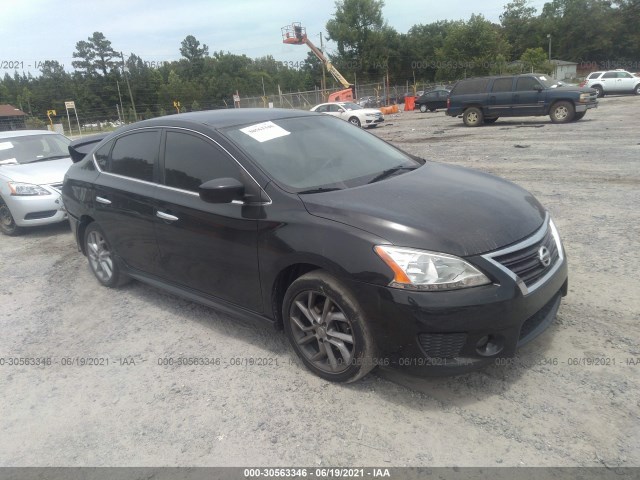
x=373, y=94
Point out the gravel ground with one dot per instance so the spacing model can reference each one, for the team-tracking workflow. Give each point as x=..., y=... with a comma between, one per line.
x=545, y=409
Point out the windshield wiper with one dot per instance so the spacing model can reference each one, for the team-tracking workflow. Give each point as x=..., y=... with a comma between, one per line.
x=319, y=190
x=390, y=171
x=52, y=157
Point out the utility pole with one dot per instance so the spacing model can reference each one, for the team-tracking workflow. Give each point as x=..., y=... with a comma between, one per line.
x=121, y=106
x=124, y=72
x=324, y=78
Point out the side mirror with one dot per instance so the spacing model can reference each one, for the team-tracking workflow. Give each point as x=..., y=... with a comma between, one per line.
x=341, y=110
x=538, y=88
x=221, y=190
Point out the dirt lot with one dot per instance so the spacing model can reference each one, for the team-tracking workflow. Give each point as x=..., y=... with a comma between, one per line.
x=546, y=409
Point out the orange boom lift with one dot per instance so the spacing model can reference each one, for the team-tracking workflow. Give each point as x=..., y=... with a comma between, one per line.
x=296, y=34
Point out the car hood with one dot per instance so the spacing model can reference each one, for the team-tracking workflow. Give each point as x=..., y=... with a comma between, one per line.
x=436, y=207
x=40, y=173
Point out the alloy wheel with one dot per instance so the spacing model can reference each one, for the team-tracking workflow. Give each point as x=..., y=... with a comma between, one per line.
x=322, y=332
x=99, y=256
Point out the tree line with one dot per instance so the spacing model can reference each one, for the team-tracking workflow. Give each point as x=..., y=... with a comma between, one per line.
x=594, y=33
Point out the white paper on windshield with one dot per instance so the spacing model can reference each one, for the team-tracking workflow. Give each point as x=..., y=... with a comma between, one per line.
x=543, y=78
x=6, y=145
x=265, y=131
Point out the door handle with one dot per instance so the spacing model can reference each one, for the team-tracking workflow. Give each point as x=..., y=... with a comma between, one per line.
x=166, y=216
x=104, y=201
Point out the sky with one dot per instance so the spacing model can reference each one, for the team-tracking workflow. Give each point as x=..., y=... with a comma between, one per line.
x=37, y=30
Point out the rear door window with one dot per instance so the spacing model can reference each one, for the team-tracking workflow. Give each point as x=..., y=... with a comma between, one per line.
x=475, y=85
x=502, y=84
x=135, y=155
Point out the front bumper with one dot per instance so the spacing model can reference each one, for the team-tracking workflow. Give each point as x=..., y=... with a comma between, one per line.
x=29, y=211
x=452, y=332
x=374, y=121
x=583, y=107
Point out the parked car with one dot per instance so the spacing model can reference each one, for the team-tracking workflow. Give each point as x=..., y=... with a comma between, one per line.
x=613, y=82
x=432, y=100
x=32, y=167
x=485, y=99
x=365, y=254
x=352, y=112
x=368, y=102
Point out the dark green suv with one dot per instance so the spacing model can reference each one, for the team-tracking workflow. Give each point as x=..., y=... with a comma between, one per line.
x=485, y=99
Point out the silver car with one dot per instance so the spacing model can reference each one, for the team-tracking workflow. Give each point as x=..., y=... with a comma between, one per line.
x=32, y=167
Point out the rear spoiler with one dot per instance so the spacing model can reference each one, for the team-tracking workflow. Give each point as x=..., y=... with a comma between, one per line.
x=78, y=149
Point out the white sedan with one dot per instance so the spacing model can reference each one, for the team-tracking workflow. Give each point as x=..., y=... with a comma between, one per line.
x=352, y=113
x=32, y=168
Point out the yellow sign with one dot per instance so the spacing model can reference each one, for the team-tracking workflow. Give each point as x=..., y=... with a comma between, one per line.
x=51, y=112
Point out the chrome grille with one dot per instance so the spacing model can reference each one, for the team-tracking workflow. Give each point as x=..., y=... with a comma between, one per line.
x=56, y=186
x=526, y=263
x=523, y=261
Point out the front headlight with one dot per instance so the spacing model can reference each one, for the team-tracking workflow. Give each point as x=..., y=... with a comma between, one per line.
x=585, y=97
x=421, y=270
x=26, y=189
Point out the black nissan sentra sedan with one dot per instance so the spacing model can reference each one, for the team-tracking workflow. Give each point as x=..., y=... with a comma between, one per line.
x=364, y=254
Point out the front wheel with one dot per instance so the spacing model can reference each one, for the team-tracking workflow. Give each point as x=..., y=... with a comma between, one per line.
x=101, y=258
x=423, y=108
x=473, y=117
x=562, y=112
x=7, y=223
x=354, y=121
x=637, y=89
x=327, y=329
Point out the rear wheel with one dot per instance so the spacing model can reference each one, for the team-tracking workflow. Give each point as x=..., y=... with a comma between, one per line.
x=354, y=121
x=579, y=116
x=7, y=223
x=637, y=89
x=423, y=108
x=327, y=329
x=101, y=258
x=562, y=112
x=599, y=91
x=473, y=117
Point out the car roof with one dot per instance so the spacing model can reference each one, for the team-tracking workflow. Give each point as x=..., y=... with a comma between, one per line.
x=224, y=117
x=491, y=77
x=25, y=133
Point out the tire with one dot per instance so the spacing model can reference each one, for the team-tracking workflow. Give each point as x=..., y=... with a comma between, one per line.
x=7, y=223
x=473, y=117
x=637, y=89
x=579, y=116
x=562, y=112
x=101, y=259
x=354, y=121
x=491, y=120
x=423, y=108
x=327, y=328
x=599, y=91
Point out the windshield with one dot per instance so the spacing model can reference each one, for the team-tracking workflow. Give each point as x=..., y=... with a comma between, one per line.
x=318, y=152
x=351, y=106
x=33, y=148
